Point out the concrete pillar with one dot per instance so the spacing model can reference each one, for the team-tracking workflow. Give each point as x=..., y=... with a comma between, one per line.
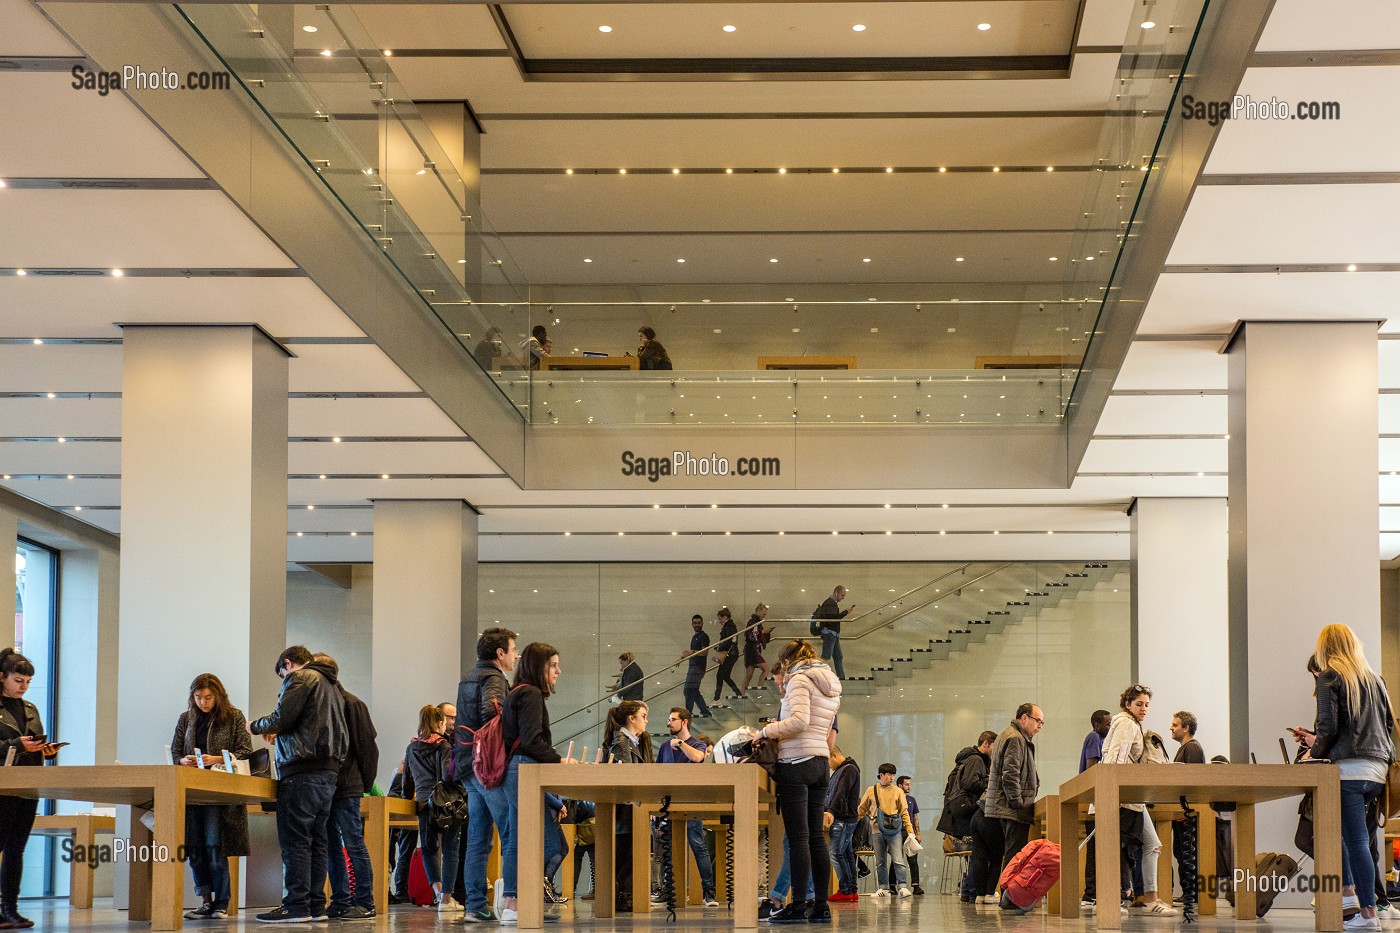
x=425, y=581
x=204, y=524
x=1180, y=612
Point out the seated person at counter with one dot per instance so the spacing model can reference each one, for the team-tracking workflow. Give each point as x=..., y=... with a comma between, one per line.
x=213, y=833
x=651, y=354
x=490, y=347
x=537, y=347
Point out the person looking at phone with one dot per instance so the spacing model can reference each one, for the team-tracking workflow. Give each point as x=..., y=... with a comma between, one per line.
x=214, y=833
x=21, y=733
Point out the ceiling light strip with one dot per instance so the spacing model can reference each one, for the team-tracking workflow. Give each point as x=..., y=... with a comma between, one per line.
x=1301, y=178
x=111, y=184
x=381, y=439
x=934, y=532
x=1282, y=268
x=155, y=273
x=1018, y=115
x=575, y=171
x=1102, y=506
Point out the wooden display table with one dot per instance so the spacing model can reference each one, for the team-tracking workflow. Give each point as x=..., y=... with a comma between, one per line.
x=806, y=362
x=83, y=827
x=587, y=362
x=1106, y=786
x=380, y=814
x=742, y=787
x=684, y=870
x=157, y=890
x=1047, y=825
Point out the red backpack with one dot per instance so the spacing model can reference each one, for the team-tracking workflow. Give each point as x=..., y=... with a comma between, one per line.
x=1031, y=872
x=489, y=755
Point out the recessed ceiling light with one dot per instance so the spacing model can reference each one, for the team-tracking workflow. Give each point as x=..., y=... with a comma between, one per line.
x=996, y=168
x=858, y=27
x=605, y=29
x=117, y=273
x=335, y=440
x=797, y=330
x=461, y=262
x=326, y=53
x=729, y=171
x=782, y=171
x=20, y=272
x=772, y=260
x=1049, y=168
x=588, y=260
x=308, y=29
x=383, y=475
x=984, y=26
x=2, y=182
x=1054, y=258
x=680, y=260
x=867, y=259
x=836, y=171
x=568, y=171
x=354, y=534
x=323, y=476
x=1148, y=24
x=888, y=169
x=311, y=508
x=622, y=171
x=1088, y=258
x=675, y=171
x=730, y=28
x=388, y=53
x=717, y=330
x=959, y=259
x=1351, y=268
x=943, y=168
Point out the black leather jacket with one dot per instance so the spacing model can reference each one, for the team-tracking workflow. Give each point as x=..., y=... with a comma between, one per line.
x=309, y=722
x=1342, y=734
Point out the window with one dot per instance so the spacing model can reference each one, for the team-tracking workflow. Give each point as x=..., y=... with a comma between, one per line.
x=36, y=631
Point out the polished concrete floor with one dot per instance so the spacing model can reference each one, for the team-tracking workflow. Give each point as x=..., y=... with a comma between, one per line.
x=930, y=912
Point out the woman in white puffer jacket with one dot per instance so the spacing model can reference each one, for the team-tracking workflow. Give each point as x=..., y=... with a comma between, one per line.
x=811, y=699
x=1127, y=744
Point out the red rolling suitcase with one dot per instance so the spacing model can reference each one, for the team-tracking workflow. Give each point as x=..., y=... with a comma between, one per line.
x=1030, y=873
x=419, y=891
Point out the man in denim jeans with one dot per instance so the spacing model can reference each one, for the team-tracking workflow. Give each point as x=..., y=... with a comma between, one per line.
x=885, y=804
x=684, y=748
x=830, y=616
x=480, y=697
x=842, y=799
x=309, y=723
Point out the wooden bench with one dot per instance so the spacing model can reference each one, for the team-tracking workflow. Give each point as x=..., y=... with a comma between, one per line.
x=83, y=827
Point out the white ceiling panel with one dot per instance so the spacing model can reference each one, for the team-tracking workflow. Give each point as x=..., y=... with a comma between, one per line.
x=1155, y=456
x=789, y=143
x=1366, y=137
x=1390, y=518
x=930, y=201
x=1389, y=454
x=1390, y=414
x=60, y=368
x=60, y=417
x=1304, y=25
x=364, y=491
x=53, y=457
x=1290, y=224
x=107, y=520
x=368, y=417
x=494, y=86
x=1211, y=303
x=1105, y=22
x=99, y=137
x=1390, y=547
x=345, y=368
x=88, y=306
x=28, y=32
x=389, y=457
x=1389, y=488
x=1130, y=487
x=93, y=229
x=792, y=30
x=336, y=549
x=359, y=519
x=1164, y=414
x=1172, y=365
x=409, y=25
x=1389, y=360
x=66, y=493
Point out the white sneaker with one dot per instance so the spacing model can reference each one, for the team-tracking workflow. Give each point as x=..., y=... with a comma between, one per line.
x=447, y=905
x=905, y=891
x=881, y=892
x=498, y=900
x=1161, y=909
x=508, y=916
x=711, y=902
x=1362, y=923
x=988, y=899
x=1086, y=904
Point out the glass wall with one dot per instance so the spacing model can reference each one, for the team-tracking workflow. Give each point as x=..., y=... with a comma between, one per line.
x=36, y=627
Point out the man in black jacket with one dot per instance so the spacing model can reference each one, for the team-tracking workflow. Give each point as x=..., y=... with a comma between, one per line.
x=345, y=830
x=480, y=698
x=842, y=799
x=309, y=723
x=831, y=616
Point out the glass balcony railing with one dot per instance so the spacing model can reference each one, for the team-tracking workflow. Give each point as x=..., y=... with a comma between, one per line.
x=1004, y=352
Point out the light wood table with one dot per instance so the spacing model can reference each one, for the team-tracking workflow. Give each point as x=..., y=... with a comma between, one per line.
x=684, y=870
x=157, y=890
x=1047, y=826
x=1106, y=786
x=380, y=814
x=557, y=363
x=83, y=827
x=806, y=362
x=743, y=787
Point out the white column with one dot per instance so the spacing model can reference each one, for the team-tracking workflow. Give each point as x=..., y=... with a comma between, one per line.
x=1181, y=613
x=9, y=544
x=425, y=579
x=1303, y=526
x=204, y=524
x=88, y=646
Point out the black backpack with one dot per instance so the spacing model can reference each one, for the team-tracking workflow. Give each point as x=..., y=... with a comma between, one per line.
x=815, y=626
x=448, y=804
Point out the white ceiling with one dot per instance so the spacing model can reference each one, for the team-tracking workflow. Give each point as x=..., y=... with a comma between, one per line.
x=1164, y=424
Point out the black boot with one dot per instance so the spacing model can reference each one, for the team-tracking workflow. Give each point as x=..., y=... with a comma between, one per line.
x=10, y=918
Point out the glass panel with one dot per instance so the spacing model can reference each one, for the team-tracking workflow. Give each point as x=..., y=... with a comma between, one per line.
x=36, y=573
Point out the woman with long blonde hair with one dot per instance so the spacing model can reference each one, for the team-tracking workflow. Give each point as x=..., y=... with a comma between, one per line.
x=1353, y=730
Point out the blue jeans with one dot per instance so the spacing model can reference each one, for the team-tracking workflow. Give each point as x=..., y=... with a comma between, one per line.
x=843, y=855
x=1357, y=867
x=303, y=807
x=203, y=848
x=891, y=846
x=783, y=883
x=555, y=846
x=831, y=651
x=695, y=835
x=345, y=836
x=509, y=846
x=485, y=808
x=441, y=848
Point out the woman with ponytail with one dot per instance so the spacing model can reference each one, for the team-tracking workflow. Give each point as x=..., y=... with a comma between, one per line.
x=1354, y=718
x=627, y=742
x=19, y=727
